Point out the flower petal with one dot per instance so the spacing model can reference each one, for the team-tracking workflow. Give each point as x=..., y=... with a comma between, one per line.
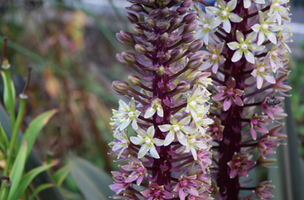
x=237, y=56
x=256, y=28
x=143, y=150
x=247, y=3
x=233, y=45
x=136, y=140
x=272, y=38
x=182, y=138
x=134, y=124
x=150, y=112
x=227, y=104
x=227, y=26
x=253, y=133
x=184, y=121
x=158, y=142
x=211, y=10
x=235, y=18
x=231, y=5
x=270, y=79
x=260, y=81
x=261, y=38
x=249, y=57
x=169, y=138
x=154, y=152
x=165, y=127
x=151, y=131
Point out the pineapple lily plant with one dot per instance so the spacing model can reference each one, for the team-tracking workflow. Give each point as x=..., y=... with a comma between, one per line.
x=208, y=91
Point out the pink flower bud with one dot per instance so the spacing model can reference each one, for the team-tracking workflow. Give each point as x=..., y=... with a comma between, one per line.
x=187, y=38
x=134, y=80
x=195, y=46
x=132, y=18
x=120, y=87
x=190, y=27
x=188, y=19
x=141, y=49
x=129, y=58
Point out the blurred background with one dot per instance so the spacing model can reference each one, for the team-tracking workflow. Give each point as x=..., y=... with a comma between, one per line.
x=71, y=46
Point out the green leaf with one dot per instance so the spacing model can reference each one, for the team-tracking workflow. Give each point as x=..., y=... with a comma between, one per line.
x=9, y=94
x=61, y=174
x=32, y=162
x=3, y=139
x=40, y=188
x=92, y=182
x=26, y=180
x=18, y=168
x=34, y=128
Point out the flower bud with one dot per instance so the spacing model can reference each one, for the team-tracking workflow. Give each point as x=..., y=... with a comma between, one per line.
x=230, y=82
x=266, y=161
x=195, y=46
x=164, y=38
x=137, y=7
x=194, y=63
x=134, y=80
x=183, y=86
x=132, y=18
x=186, y=3
x=174, y=23
x=190, y=27
x=182, y=10
x=127, y=37
x=120, y=87
x=141, y=49
x=151, y=22
x=119, y=38
x=137, y=31
x=195, y=60
x=128, y=57
x=188, y=19
x=161, y=70
x=120, y=59
x=190, y=74
x=187, y=38
x=165, y=11
x=176, y=54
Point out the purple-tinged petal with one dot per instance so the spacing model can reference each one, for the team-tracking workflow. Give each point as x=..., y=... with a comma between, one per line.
x=227, y=104
x=238, y=101
x=181, y=194
x=219, y=96
x=253, y=133
x=260, y=81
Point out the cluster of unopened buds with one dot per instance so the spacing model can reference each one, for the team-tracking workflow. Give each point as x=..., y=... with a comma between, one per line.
x=204, y=97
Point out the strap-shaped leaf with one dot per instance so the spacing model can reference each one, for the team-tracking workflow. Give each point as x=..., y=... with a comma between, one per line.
x=61, y=174
x=40, y=188
x=92, y=182
x=18, y=168
x=9, y=93
x=32, y=162
x=34, y=128
x=3, y=139
x=26, y=180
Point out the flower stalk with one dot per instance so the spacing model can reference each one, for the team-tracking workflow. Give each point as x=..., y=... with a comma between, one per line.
x=167, y=152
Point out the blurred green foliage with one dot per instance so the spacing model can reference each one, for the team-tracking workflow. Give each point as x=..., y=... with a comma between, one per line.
x=296, y=79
